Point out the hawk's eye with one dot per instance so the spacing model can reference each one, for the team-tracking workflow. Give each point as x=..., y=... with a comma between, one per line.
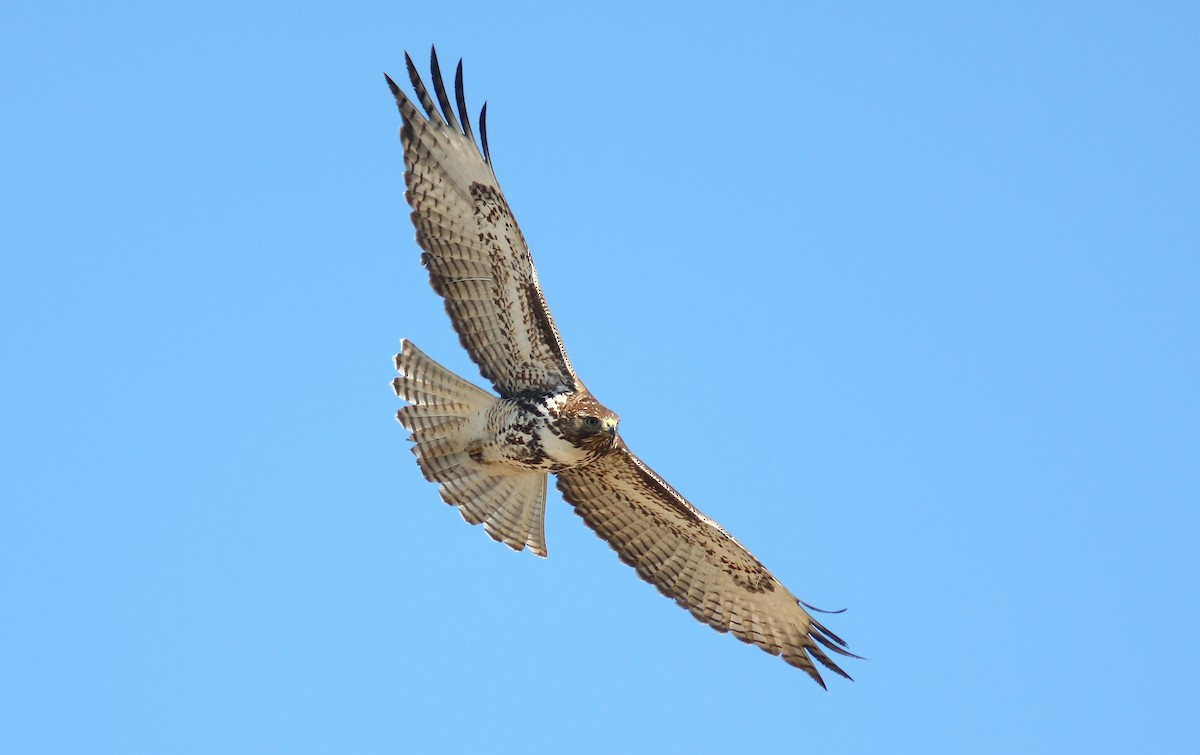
x=592, y=422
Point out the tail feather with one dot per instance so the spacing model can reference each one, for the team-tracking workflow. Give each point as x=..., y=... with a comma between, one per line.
x=512, y=507
x=430, y=420
x=424, y=382
x=512, y=510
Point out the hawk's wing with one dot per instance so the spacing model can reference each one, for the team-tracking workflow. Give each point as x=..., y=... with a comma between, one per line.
x=477, y=258
x=691, y=560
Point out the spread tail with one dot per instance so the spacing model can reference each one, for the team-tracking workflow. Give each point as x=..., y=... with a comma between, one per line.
x=511, y=508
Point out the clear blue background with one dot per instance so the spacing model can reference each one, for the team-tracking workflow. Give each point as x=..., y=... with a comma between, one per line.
x=906, y=295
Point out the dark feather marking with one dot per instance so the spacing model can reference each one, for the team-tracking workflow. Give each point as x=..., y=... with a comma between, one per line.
x=542, y=316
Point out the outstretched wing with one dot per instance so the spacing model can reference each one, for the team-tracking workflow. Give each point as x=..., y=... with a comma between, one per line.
x=476, y=256
x=691, y=560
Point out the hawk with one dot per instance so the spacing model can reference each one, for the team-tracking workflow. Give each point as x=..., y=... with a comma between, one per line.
x=492, y=455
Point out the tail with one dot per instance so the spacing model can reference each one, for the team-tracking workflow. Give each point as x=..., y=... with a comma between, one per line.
x=511, y=508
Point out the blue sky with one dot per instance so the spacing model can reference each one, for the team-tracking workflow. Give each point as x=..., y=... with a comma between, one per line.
x=904, y=295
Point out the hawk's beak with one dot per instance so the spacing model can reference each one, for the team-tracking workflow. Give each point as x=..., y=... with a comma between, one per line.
x=612, y=428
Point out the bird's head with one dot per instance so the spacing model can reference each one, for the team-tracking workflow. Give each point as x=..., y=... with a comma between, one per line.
x=588, y=424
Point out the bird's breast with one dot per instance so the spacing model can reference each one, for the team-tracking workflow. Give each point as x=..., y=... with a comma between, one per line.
x=519, y=433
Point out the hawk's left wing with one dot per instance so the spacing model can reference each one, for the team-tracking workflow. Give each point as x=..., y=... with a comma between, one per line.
x=477, y=258
x=691, y=560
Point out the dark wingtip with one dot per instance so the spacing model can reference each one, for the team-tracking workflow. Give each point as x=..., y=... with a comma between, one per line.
x=439, y=89
x=410, y=65
x=815, y=675
x=820, y=610
x=423, y=97
x=460, y=96
x=487, y=153
x=440, y=109
x=396, y=91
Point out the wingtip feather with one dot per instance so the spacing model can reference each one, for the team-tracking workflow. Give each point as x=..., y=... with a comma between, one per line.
x=439, y=88
x=487, y=153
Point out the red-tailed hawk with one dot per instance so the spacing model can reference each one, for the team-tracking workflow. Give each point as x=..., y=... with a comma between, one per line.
x=492, y=455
